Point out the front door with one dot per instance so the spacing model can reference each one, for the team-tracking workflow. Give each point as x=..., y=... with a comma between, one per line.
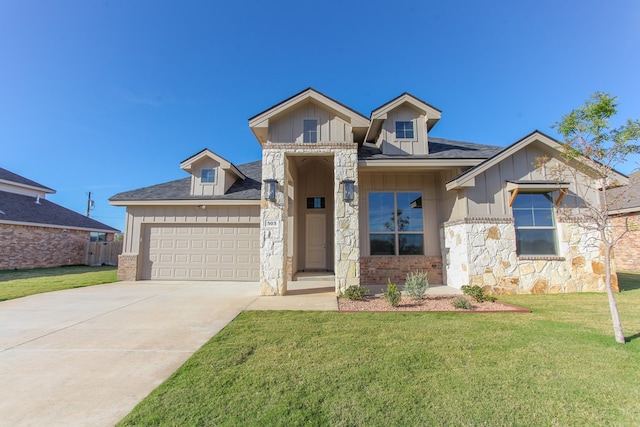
x=316, y=253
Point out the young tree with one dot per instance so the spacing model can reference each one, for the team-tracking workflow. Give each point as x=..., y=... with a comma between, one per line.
x=595, y=149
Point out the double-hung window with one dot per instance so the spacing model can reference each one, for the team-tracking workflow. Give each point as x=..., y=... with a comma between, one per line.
x=310, y=130
x=404, y=130
x=534, y=223
x=395, y=223
x=208, y=176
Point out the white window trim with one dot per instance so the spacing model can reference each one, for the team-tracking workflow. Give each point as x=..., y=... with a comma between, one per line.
x=553, y=227
x=309, y=119
x=215, y=176
x=413, y=125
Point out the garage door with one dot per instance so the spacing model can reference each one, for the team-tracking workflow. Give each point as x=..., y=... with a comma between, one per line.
x=202, y=252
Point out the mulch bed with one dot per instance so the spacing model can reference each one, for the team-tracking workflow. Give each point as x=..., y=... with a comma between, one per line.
x=440, y=303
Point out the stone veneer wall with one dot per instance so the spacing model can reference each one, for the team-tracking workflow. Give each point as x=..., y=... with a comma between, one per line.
x=482, y=251
x=375, y=270
x=23, y=246
x=627, y=251
x=273, y=248
x=273, y=255
x=127, y=267
x=347, y=227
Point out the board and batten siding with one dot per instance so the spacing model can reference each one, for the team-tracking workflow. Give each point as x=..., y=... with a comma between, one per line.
x=391, y=145
x=489, y=196
x=138, y=216
x=403, y=181
x=331, y=128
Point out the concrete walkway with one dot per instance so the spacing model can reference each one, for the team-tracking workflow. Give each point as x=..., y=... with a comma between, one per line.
x=87, y=356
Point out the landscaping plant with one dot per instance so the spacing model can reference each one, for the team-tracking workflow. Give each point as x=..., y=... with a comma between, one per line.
x=355, y=293
x=392, y=294
x=416, y=284
x=477, y=293
x=461, y=303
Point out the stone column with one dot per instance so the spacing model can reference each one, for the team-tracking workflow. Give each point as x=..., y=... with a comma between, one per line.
x=273, y=218
x=347, y=232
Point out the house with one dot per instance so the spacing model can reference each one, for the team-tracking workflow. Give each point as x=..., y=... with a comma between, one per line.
x=367, y=198
x=35, y=232
x=626, y=215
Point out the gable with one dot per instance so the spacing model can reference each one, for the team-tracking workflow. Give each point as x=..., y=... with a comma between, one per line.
x=545, y=143
x=220, y=173
x=260, y=124
x=427, y=114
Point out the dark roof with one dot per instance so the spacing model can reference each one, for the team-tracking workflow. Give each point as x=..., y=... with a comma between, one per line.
x=14, y=177
x=628, y=196
x=247, y=189
x=439, y=148
x=23, y=208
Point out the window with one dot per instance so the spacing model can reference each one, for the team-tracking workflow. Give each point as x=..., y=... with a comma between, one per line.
x=208, y=176
x=315, y=202
x=94, y=236
x=404, y=130
x=310, y=130
x=395, y=223
x=535, y=224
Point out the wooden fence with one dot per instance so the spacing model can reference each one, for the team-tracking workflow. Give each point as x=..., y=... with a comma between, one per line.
x=103, y=253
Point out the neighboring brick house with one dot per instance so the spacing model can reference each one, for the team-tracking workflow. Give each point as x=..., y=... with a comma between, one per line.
x=626, y=214
x=35, y=232
x=366, y=198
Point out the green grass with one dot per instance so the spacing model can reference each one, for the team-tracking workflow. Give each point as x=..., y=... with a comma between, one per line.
x=20, y=283
x=558, y=365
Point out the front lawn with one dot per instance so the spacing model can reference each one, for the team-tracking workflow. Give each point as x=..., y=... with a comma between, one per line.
x=558, y=365
x=20, y=283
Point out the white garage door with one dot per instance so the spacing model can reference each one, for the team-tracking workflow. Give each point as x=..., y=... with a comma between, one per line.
x=202, y=252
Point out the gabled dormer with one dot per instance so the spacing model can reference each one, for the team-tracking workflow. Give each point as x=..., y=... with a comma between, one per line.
x=401, y=126
x=309, y=117
x=211, y=175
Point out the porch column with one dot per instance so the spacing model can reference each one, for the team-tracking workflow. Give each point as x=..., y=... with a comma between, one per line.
x=273, y=226
x=347, y=231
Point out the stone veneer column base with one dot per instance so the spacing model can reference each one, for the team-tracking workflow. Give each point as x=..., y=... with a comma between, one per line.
x=127, y=267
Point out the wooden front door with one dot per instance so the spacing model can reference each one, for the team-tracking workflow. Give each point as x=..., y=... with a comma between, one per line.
x=316, y=233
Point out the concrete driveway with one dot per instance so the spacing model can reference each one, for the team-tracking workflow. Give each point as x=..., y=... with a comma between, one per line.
x=87, y=356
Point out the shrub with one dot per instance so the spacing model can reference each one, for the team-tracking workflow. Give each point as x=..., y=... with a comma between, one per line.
x=392, y=294
x=477, y=293
x=355, y=293
x=461, y=303
x=416, y=284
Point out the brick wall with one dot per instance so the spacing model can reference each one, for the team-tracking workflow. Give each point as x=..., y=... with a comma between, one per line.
x=37, y=247
x=374, y=270
x=627, y=251
x=127, y=267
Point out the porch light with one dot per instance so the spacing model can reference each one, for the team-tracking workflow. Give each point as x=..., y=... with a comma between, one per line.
x=348, y=190
x=270, y=189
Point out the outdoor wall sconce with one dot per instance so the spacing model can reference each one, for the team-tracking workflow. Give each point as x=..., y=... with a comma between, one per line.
x=348, y=190
x=270, y=189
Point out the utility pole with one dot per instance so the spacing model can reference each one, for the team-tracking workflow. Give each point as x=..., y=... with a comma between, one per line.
x=89, y=205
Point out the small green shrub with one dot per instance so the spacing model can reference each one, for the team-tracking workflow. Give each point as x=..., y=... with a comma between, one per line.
x=355, y=293
x=416, y=284
x=392, y=294
x=477, y=293
x=461, y=303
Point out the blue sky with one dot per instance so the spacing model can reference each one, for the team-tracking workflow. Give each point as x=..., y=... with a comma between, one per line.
x=109, y=96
